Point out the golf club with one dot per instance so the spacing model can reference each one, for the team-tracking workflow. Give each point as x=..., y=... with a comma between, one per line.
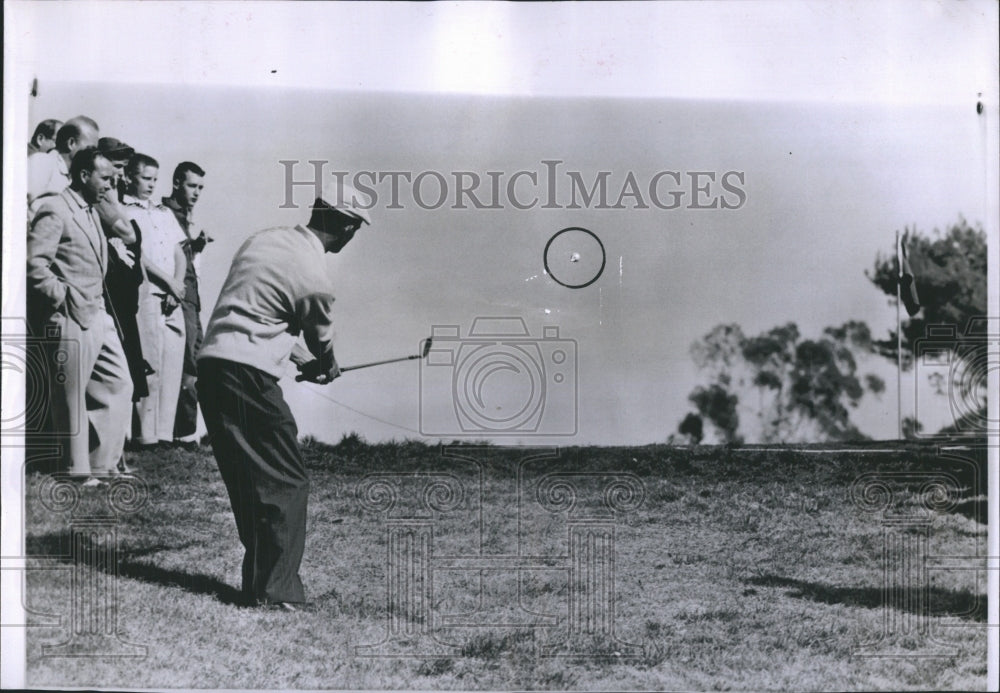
x=423, y=353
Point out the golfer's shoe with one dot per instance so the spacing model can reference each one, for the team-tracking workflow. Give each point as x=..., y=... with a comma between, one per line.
x=93, y=482
x=288, y=607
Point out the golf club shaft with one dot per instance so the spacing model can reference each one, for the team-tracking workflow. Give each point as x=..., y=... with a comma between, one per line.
x=379, y=363
x=426, y=350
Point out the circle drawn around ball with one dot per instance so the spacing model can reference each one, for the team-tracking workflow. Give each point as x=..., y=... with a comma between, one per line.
x=574, y=257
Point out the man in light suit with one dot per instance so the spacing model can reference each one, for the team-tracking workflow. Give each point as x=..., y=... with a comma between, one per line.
x=89, y=387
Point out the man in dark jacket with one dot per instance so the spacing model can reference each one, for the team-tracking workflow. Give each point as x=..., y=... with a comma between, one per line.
x=188, y=184
x=125, y=273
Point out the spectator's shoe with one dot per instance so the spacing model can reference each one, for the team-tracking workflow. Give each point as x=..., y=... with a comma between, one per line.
x=93, y=482
x=134, y=445
x=191, y=445
x=123, y=467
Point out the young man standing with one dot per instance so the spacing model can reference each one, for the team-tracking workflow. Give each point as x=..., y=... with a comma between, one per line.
x=277, y=289
x=187, y=186
x=161, y=324
x=90, y=391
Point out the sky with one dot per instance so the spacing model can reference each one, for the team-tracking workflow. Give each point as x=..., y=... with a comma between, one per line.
x=843, y=124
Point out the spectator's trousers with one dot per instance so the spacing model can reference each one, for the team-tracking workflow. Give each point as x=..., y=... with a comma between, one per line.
x=89, y=393
x=186, y=421
x=162, y=339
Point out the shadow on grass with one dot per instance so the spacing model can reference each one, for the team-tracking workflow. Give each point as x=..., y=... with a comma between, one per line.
x=55, y=545
x=198, y=583
x=940, y=601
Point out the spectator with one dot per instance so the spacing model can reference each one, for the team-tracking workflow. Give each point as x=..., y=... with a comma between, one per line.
x=277, y=288
x=125, y=274
x=120, y=154
x=44, y=138
x=161, y=324
x=187, y=186
x=48, y=173
x=66, y=260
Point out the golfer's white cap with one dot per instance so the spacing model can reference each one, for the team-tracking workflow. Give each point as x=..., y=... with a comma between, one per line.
x=345, y=199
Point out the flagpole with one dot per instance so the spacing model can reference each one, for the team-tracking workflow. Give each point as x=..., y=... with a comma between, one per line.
x=899, y=341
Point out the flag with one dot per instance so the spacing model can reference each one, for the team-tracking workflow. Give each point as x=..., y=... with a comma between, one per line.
x=907, y=282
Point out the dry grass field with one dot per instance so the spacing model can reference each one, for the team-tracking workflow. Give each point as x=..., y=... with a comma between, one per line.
x=647, y=568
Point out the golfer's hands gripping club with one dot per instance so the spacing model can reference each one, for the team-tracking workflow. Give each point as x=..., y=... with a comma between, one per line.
x=313, y=372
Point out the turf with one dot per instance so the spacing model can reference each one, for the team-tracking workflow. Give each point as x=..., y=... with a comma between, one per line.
x=733, y=569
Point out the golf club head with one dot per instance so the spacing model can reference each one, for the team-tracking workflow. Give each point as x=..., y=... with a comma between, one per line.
x=427, y=347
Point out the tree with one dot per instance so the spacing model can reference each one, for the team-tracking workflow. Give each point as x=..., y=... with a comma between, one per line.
x=692, y=427
x=874, y=384
x=911, y=428
x=718, y=351
x=805, y=388
x=718, y=406
x=950, y=276
x=771, y=359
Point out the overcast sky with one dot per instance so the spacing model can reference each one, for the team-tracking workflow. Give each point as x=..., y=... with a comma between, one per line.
x=843, y=124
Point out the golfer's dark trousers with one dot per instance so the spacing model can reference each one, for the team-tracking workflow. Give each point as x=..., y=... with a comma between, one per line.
x=254, y=438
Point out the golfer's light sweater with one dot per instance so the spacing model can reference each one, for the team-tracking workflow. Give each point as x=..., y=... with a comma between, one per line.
x=277, y=288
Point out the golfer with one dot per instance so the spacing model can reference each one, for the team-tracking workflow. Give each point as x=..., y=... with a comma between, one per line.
x=277, y=289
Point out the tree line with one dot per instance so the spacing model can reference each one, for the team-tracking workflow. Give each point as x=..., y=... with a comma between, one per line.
x=804, y=388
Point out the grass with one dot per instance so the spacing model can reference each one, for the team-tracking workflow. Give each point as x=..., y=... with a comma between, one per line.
x=739, y=570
